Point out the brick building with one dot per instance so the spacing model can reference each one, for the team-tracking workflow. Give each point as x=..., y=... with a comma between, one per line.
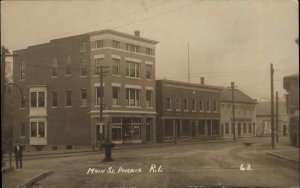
x=187, y=111
x=245, y=112
x=60, y=80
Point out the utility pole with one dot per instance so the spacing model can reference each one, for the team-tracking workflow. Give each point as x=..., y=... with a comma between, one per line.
x=107, y=143
x=5, y=53
x=233, y=113
x=272, y=106
x=277, y=119
x=188, y=62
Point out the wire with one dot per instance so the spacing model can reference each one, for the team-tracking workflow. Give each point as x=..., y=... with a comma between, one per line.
x=99, y=23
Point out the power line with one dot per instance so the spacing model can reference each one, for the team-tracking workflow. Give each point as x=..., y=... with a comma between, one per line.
x=103, y=22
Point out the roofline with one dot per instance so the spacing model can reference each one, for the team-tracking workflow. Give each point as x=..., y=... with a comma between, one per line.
x=122, y=34
x=191, y=84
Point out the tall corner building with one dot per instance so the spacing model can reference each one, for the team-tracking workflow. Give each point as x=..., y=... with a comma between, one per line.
x=60, y=83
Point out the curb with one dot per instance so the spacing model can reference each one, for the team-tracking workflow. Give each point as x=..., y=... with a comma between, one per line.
x=37, y=179
x=282, y=157
x=8, y=169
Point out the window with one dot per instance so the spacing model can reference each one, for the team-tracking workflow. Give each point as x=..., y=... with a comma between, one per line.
x=177, y=101
x=148, y=98
x=116, y=66
x=208, y=105
x=149, y=51
x=37, y=99
x=249, y=128
x=54, y=98
x=185, y=104
x=115, y=95
x=22, y=71
x=215, y=106
x=193, y=104
x=133, y=97
x=99, y=44
x=98, y=94
x=115, y=44
x=54, y=66
x=132, y=48
x=98, y=63
x=83, y=68
x=22, y=129
x=83, y=97
x=68, y=65
x=33, y=99
x=149, y=71
x=244, y=128
x=33, y=129
x=22, y=101
x=83, y=47
x=132, y=69
x=69, y=98
x=226, y=128
x=201, y=105
x=169, y=104
x=41, y=99
x=37, y=129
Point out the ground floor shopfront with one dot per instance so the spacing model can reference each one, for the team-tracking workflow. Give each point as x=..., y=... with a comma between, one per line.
x=177, y=128
x=242, y=129
x=124, y=128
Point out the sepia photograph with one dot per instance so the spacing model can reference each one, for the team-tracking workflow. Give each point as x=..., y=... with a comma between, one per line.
x=149, y=93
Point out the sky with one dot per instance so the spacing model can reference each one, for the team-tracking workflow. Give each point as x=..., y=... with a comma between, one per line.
x=227, y=40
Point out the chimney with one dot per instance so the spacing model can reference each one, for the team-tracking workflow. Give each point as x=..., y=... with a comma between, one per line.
x=137, y=33
x=202, y=80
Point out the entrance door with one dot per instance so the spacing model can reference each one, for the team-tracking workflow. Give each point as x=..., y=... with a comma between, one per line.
x=177, y=128
x=193, y=127
x=284, y=130
x=239, y=129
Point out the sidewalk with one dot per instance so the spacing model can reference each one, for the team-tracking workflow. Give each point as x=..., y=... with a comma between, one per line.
x=121, y=147
x=285, y=151
x=23, y=177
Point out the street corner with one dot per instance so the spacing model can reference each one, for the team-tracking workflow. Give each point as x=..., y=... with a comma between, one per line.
x=36, y=179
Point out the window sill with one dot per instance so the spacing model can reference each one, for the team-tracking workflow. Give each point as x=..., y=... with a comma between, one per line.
x=149, y=79
x=53, y=106
x=22, y=108
x=169, y=110
x=177, y=110
x=68, y=106
x=54, y=76
x=22, y=136
x=134, y=78
x=83, y=106
x=115, y=105
x=68, y=75
x=149, y=107
x=133, y=107
x=186, y=110
x=82, y=50
x=116, y=75
x=193, y=110
x=83, y=76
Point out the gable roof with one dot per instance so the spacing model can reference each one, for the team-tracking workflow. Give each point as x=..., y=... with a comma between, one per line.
x=239, y=96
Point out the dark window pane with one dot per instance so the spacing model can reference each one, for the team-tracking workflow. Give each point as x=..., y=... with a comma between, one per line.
x=33, y=99
x=33, y=129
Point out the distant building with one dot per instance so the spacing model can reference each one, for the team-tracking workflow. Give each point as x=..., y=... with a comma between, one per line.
x=263, y=119
x=245, y=111
x=187, y=111
x=291, y=85
x=60, y=80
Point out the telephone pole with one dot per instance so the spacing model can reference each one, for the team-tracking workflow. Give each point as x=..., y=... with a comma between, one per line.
x=107, y=143
x=5, y=53
x=188, y=62
x=272, y=106
x=233, y=113
x=277, y=119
